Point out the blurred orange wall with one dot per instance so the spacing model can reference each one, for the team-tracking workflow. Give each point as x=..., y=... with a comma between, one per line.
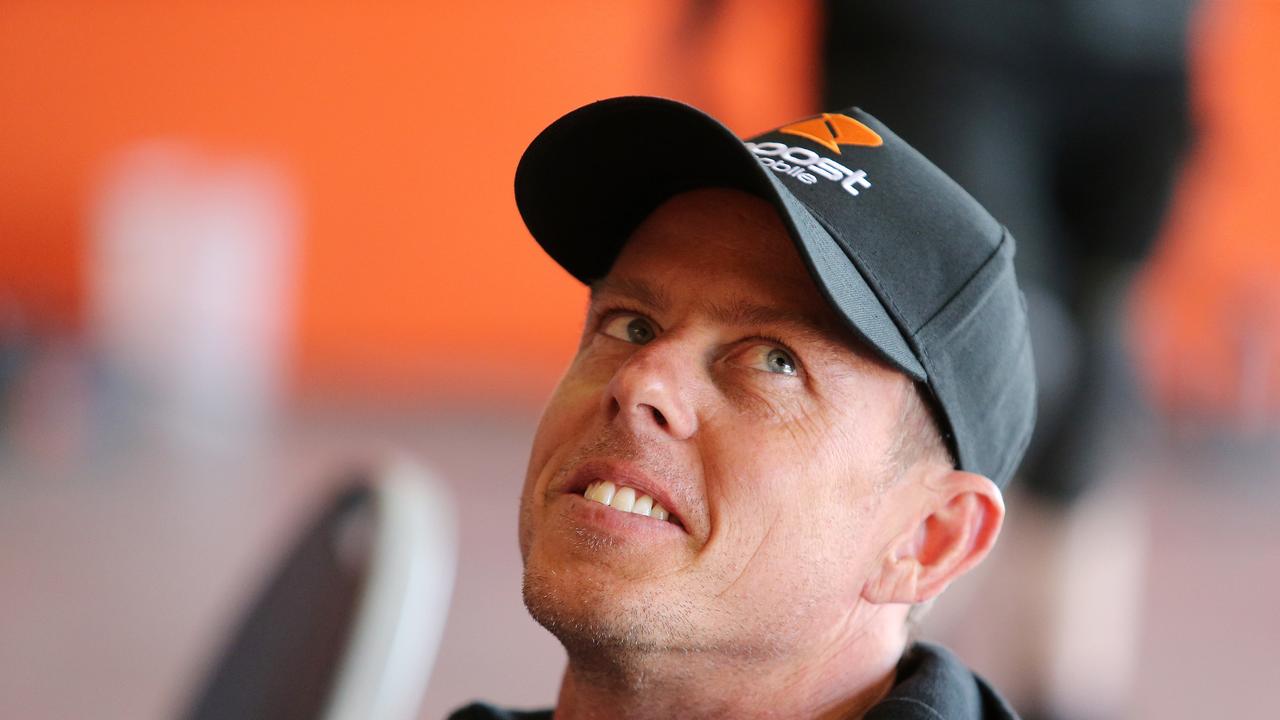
x=400, y=123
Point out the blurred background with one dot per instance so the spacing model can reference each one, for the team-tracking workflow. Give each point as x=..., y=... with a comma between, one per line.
x=246, y=247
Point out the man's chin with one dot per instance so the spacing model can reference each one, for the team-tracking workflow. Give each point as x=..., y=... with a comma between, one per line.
x=604, y=617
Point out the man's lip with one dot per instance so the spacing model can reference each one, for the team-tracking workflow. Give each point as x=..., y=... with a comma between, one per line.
x=623, y=474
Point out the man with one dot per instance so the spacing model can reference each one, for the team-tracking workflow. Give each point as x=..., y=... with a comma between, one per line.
x=803, y=379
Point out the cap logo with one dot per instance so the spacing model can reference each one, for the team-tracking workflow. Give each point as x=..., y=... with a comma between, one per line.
x=831, y=130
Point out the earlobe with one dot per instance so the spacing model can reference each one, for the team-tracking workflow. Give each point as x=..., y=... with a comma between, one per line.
x=956, y=529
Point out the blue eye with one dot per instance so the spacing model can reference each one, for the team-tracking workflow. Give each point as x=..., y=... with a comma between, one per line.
x=629, y=327
x=779, y=361
x=769, y=358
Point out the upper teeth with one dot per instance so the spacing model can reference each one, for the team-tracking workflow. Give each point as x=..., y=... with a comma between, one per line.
x=625, y=499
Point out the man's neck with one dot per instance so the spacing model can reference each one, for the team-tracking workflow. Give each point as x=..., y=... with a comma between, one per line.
x=700, y=685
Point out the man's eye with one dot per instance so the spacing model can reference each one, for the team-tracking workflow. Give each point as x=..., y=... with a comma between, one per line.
x=629, y=327
x=773, y=359
x=780, y=361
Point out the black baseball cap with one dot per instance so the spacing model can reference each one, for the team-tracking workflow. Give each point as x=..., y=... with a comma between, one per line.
x=913, y=263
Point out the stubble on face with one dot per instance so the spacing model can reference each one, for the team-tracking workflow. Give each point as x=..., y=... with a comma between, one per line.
x=788, y=474
x=597, y=617
x=616, y=622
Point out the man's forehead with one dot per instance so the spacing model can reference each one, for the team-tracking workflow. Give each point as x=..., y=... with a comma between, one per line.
x=720, y=224
x=727, y=254
x=724, y=235
x=639, y=289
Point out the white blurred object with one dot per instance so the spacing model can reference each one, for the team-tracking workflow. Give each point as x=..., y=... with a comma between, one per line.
x=405, y=600
x=347, y=624
x=1097, y=604
x=190, y=280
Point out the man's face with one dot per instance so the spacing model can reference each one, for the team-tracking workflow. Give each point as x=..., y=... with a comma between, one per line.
x=713, y=378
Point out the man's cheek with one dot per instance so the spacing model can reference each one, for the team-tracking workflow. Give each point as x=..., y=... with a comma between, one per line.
x=573, y=405
x=564, y=423
x=558, y=418
x=524, y=531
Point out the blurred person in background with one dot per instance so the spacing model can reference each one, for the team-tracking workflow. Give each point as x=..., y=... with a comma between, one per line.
x=1206, y=306
x=1068, y=119
x=801, y=385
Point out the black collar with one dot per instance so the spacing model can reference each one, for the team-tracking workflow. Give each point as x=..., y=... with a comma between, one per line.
x=932, y=684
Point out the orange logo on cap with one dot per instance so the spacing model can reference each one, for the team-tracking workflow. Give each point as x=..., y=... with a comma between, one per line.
x=832, y=130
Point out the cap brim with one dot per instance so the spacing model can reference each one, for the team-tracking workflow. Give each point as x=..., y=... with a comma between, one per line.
x=587, y=181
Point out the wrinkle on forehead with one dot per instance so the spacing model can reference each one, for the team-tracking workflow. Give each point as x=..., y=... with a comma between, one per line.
x=725, y=218
x=714, y=236
x=736, y=310
x=718, y=234
x=642, y=291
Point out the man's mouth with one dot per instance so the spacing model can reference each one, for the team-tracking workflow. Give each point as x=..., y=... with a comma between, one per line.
x=627, y=499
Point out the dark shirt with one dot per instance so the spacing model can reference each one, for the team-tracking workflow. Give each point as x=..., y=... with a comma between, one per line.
x=931, y=684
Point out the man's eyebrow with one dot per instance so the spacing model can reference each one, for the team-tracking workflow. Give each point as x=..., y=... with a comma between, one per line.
x=743, y=313
x=635, y=289
x=739, y=312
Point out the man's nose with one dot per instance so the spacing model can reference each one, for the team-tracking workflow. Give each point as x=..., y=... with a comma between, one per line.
x=653, y=391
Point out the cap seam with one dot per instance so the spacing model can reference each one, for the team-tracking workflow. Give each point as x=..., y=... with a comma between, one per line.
x=870, y=276
x=921, y=353
x=1016, y=457
x=1004, y=237
x=962, y=460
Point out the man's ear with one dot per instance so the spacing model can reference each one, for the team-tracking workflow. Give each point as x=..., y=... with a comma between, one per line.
x=959, y=518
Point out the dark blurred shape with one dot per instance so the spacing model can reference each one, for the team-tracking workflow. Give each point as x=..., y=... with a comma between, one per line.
x=15, y=351
x=283, y=660
x=1067, y=119
x=348, y=625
